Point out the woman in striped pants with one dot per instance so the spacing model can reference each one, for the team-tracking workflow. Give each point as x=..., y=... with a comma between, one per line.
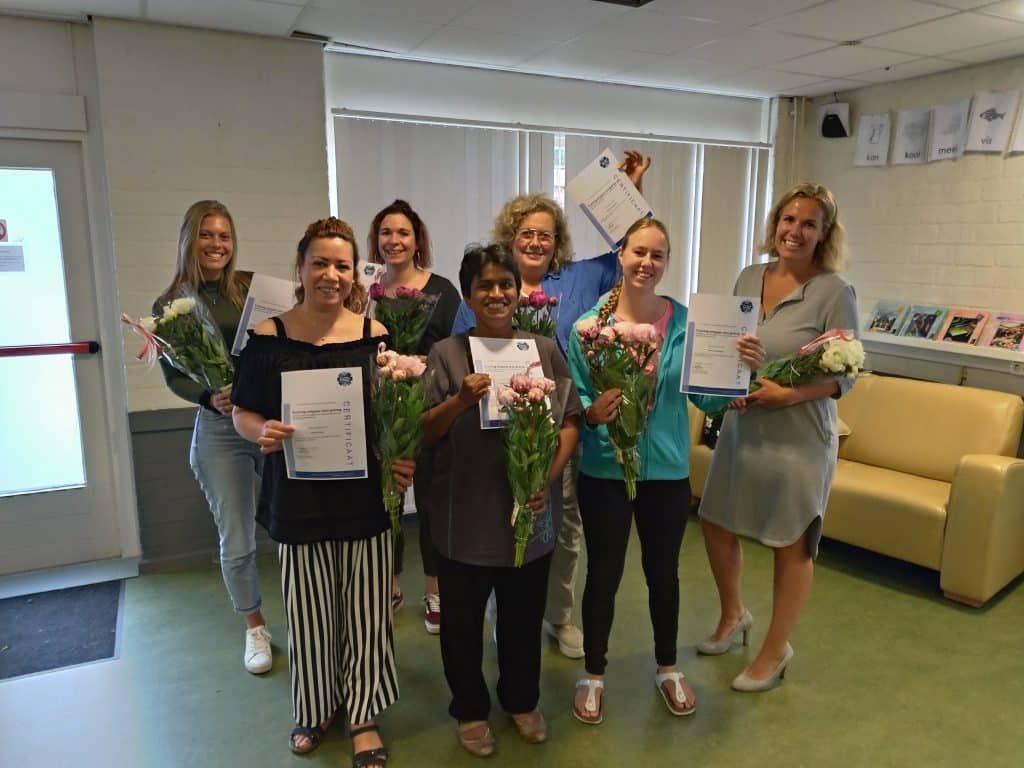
x=335, y=543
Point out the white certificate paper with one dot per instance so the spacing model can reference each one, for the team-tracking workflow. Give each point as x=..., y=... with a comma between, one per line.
x=500, y=359
x=268, y=297
x=326, y=408
x=608, y=198
x=711, y=362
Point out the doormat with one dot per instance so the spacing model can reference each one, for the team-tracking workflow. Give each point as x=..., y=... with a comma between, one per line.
x=50, y=630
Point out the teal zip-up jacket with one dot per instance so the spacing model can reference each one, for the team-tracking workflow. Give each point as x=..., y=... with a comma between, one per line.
x=665, y=444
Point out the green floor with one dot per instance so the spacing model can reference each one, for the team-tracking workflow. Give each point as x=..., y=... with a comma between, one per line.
x=886, y=673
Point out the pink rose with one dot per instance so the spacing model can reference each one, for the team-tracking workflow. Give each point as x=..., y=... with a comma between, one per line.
x=538, y=299
x=546, y=384
x=607, y=334
x=588, y=328
x=552, y=301
x=399, y=375
x=508, y=397
x=536, y=394
x=521, y=382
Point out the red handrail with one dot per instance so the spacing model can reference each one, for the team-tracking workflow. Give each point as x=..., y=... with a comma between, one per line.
x=30, y=350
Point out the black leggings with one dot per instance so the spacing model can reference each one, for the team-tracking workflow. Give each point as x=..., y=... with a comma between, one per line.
x=428, y=552
x=660, y=508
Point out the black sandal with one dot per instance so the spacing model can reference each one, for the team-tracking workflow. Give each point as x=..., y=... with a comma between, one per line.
x=314, y=734
x=368, y=757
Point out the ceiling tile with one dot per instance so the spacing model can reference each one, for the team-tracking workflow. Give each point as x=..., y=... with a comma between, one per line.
x=937, y=38
x=265, y=18
x=915, y=68
x=75, y=8
x=454, y=43
x=385, y=33
x=436, y=11
x=754, y=47
x=675, y=70
x=841, y=20
x=827, y=86
x=765, y=82
x=843, y=60
x=963, y=5
x=992, y=52
x=643, y=30
x=578, y=59
x=1013, y=10
x=736, y=11
x=544, y=19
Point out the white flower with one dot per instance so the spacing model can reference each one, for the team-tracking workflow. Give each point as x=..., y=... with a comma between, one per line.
x=832, y=359
x=182, y=306
x=149, y=323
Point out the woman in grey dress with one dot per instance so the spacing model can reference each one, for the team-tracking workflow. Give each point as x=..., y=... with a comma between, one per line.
x=775, y=457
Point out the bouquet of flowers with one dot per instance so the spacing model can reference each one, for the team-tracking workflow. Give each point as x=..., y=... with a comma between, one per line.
x=405, y=315
x=185, y=335
x=398, y=404
x=530, y=440
x=536, y=314
x=834, y=353
x=622, y=356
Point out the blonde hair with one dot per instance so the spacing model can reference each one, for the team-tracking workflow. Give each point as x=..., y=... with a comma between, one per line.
x=610, y=304
x=507, y=222
x=187, y=272
x=329, y=228
x=831, y=253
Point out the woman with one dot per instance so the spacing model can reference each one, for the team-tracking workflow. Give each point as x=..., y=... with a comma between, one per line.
x=773, y=464
x=472, y=507
x=335, y=545
x=663, y=489
x=226, y=466
x=533, y=227
x=398, y=238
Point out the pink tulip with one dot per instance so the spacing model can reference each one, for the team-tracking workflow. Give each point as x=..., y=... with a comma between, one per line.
x=538, y=299
x=536, y=394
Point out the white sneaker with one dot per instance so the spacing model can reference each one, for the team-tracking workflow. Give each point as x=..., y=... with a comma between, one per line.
x=569, y=637
x=258, y=658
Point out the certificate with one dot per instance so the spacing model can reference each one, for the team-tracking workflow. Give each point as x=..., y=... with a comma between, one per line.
x=326, y=408
x=500, y=359
x=608, y=198
x=711, y=362
x=268, y=297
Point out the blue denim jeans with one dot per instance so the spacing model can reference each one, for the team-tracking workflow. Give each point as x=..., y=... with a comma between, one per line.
x=228, y=468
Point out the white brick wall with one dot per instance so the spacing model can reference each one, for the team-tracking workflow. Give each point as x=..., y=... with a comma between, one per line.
x=189, y=114
x=950, y=232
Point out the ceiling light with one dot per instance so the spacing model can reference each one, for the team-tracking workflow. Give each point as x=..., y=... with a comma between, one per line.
x=630, y=3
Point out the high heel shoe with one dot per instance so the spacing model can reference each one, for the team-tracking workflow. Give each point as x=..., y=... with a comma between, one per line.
x=712, y=647
x=746, y=684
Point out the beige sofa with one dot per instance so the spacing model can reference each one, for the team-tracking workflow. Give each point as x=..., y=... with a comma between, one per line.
x=928, y=474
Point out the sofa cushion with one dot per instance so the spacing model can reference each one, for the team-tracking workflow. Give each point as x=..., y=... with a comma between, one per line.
x=893, y=513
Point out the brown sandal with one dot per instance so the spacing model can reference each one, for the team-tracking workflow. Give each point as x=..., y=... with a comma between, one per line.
x=476, y=738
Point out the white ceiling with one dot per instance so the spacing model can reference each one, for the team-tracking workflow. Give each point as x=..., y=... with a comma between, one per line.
x=748, y=47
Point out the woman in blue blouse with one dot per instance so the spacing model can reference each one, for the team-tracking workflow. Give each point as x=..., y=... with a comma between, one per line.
x=533, y=227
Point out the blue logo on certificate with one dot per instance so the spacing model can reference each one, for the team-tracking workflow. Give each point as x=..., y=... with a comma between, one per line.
x=522, y=346
x=603, y=162
x=746, y=306
x=344, y=379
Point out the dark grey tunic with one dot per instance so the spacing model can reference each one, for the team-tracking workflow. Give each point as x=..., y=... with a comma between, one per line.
x=772, y=469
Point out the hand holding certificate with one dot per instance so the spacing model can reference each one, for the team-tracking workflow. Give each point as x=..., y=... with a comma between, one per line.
x=712, y=364
x=608, y=198
x=500, y=359
x=325, y=406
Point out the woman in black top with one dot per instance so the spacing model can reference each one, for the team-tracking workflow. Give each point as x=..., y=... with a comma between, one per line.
x=335, y=543
x=399, y=239
x=226, y=466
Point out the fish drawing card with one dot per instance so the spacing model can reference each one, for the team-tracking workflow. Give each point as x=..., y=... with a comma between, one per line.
x=923, y=321
x=888, y=317
x=963, y=326
x=1004, y=330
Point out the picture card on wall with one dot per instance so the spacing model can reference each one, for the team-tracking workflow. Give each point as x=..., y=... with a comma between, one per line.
x=1004, y=330
x=948, y=130
x=872, y=140
x=888, y=317
x=963, y=326
x=911, y=142
x=923, y=321
x=992, y=115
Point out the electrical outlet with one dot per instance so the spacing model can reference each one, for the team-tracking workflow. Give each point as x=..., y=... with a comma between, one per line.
x=1017, y=368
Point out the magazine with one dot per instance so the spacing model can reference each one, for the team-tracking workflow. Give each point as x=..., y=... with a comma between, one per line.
x=888, y=317
x=1005, y=330
x=923, y=321
x=963, y=326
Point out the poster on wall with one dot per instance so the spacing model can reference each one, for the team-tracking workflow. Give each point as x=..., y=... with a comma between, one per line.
x=872, y=140
x=911, y=136
x=992, y=115
x=948, y=132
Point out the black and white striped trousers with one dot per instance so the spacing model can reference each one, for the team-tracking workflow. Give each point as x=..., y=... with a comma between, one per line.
x=341, y=651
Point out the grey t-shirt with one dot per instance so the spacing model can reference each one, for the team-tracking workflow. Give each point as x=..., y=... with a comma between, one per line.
x=471, y=500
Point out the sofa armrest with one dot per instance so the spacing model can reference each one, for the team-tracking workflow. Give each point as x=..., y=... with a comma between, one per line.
x=983, y=549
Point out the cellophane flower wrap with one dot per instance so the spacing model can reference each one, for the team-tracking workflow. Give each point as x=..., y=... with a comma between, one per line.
x=531, y=437
x=185, y=335
x=621, y=355
x=536, y=313
x=405, y=315
x=397, y=405
x=836, y=353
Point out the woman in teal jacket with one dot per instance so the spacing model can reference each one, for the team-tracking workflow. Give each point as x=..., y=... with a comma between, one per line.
x=663, y=488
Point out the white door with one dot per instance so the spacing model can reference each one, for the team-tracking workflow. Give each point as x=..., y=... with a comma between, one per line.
x=57, y=479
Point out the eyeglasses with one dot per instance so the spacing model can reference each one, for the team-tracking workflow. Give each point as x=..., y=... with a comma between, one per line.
x=544, y=238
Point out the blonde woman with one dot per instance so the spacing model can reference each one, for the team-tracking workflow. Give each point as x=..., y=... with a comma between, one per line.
x=226, y=466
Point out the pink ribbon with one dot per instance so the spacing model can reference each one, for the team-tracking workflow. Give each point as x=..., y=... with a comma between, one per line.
x=152, y=344
x=827, y=336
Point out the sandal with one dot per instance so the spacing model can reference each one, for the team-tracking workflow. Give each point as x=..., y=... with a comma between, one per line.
x=675, y=698
x=476, y=738
x=314, y=734
x=397, y=600
x=378, y=756
x=593, y=710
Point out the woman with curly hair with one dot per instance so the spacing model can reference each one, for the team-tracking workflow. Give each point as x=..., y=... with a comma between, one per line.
x=533, y=227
